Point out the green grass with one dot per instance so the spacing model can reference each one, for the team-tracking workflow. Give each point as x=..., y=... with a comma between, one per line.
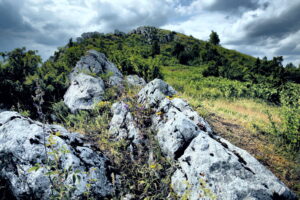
x=234, y=112
x=221, y=96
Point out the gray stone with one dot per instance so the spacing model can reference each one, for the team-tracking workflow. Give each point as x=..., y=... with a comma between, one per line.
x=115, y=81
x=175, y=122
x=152, y=34
x=208, y=166
x=83, y=92
x=212, y=167
x=22, y=147
x=96, y=63
x=154, y=92
x=166, y=106
x=123, y=125
x=89, y=35
x=135, y=80
x=2, y=109
x=119, y=33
x=176, y=134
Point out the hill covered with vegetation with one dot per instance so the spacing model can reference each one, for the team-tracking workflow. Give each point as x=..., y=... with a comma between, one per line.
x=225, y=86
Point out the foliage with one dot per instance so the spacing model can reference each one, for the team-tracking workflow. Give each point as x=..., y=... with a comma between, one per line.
x=214, y=38
x=189, y=81
x=136, y=54
x=290, y=135
x=203, y=71
x=232, y=106
x=60, y=190
x=155, y=48
x=18, y=65
x=60, y=111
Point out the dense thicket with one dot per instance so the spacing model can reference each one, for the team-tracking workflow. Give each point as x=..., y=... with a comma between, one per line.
x=17, y=66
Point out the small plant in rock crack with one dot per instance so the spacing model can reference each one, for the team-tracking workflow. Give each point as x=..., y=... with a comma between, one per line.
x=141, y=169
x=61, y=186
x=54, y=171
x=207, y=192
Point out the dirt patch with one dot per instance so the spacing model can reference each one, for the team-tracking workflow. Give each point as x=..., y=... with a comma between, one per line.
x=262, y=148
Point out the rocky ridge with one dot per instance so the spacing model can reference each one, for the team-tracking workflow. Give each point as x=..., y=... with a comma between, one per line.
x=151, y=34
x=206, y=166
x=22, y=148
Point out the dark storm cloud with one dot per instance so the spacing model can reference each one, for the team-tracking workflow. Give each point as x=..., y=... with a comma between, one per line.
x=273, y=29
x=10, y=18
x=234, y=5
x=278, y=26
x=15, y=31
x=13, y=28
x=51, y=39
x=289, y=49
x=132, y=16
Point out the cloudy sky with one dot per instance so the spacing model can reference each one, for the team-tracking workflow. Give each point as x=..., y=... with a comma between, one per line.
x=255, y=27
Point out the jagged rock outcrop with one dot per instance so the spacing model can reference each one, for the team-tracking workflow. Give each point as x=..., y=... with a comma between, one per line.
x=175, y=121
x=151, y=34
x=208, y=167
x=22, y=146
x=83, y=92
x=89, y=35
x=154, y=92
x=182, y=106
x=135, y=80
x=213, y=167
x=119, y=33
x=122, y=125
x=96, y=63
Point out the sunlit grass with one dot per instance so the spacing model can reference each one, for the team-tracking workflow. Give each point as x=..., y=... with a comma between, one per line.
x=207, y=96
x=251, y=114
x=243, y=120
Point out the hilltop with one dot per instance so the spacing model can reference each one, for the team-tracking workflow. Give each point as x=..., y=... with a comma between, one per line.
x=142, y=130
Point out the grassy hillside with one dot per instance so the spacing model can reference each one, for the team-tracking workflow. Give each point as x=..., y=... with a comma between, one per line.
x=250, y=123
x=252, y=102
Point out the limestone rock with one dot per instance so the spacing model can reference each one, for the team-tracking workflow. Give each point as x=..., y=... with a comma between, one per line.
x=83, y=92
x=122, y=124
x=175, y=122
x=135, y=80
x=154, y=92
x=22, y=147
x=212, y=167
x=208, y=167
x=151, y=34
x=97, y=63
x=176, y=134
x=167, y=107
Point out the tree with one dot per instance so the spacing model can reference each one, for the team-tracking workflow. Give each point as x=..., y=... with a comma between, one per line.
x=292, y=73
x=70, y=44
x=20, y=65
x=210, y=53
x=178, y=48
x=195, y=52
x=214, y=38
x=155, y=50
x=212, y=69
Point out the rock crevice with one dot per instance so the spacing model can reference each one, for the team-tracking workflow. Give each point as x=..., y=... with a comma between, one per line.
x=19, y=154
x=208, y=166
